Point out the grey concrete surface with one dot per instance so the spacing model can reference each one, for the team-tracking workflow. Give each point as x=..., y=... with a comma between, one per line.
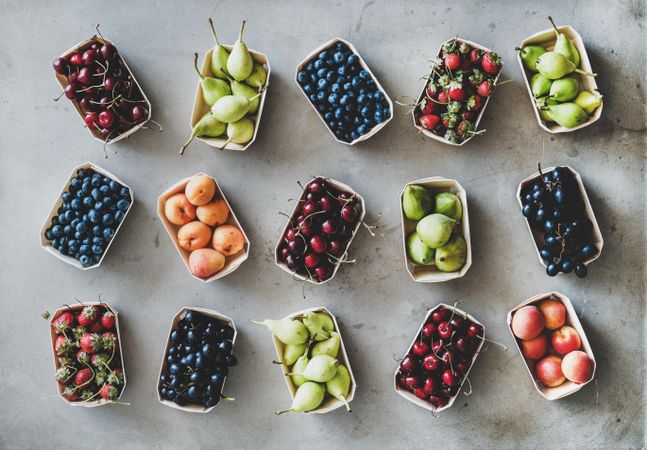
x=378, y=305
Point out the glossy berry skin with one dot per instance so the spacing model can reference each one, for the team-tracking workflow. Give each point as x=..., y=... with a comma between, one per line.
x=420, y=348
x=408, y=364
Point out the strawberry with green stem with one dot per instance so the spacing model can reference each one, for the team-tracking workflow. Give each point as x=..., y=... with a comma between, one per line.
x=64, y=373
x=491, y=63
x=91, y=342
x=109, y=392
x=83, y=377
x=88, y=315
x=108, y=320
x=63, y=322
x=63, y=345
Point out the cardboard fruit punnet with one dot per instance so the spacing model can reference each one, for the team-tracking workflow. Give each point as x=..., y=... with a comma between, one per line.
x=231, y=262
x=546, y=39
x=537, y=236
x=200, y=108
x=77, y=306
x=409, y=395
x=330, y=403
x=47, y=245
x=225, y=320
x=313, y=54
x=428, y=133
x=429, y=273
x=62, y=81
x=341, y=187
x=568, y=387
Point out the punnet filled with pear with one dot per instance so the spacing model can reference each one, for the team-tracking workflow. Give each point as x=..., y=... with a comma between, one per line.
x=314, y=361
x=232, y=91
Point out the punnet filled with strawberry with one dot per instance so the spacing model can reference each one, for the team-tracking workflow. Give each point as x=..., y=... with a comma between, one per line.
x=87, y=354
x=459, y=85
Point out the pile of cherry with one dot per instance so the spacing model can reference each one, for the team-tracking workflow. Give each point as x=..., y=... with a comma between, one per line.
x=320, y=230
x=438, y=361
x=101, y=84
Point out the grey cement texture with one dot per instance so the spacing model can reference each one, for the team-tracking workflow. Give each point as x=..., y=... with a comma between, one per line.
x=378, y=306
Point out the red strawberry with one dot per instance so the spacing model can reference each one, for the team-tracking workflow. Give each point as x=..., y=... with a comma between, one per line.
x=485, y=88
x=468, y=115
x=432, y=90
x=108, y=320
x=88, y=315
x=109, y=339
x=429, y=121
x=100, y=359
x=465, y=129
x=491, y=63
x=70, y=393
x=429, y=106
x=449, y=120
x=97, y=327
x=443, y=97
x=474, y=103
x=476, y=78
x=83, y=376
x=90, y=342
x=452, y=61
x=456, y=91
x=63, y=322
x=109, y=392
x=83, y=357
x=63, y=345
x=475, y=56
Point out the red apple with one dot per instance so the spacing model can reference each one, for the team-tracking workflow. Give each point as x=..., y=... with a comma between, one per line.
x=554, y=313
x=566, y=340
x=527, y=322
x=549, y=371
x=577, y=367
x=535, y=348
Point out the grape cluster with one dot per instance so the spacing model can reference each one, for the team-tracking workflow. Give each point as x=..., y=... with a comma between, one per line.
x=553, y=204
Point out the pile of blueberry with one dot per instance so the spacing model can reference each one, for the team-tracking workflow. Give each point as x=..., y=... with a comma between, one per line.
x=93, y=207
x=198, y=360
x=553, y=204
x=343, y=92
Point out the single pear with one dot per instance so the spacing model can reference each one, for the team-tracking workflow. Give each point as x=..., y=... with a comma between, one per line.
x=232, y=108
x=258, y=77
x=300, y=365
x=213, y=89
x=449, y=204
x=588, y=100
x=418, y=251
x=540, y=85
x=288, y=331
x=568, y=115
x=321, y=368
x=416, y=202
x=554, y=65
x=328, y=347
x=238, y=88
x=240, y=132
x=308, y=397
x=318, y=324
x=564, y=89
x=529, y=55
x=451, y=256
x=565, y=46
x=339, y=386
x=240, y=63
x=219, y=57
x=292, y=352
x=543, y=111
x=207, y=126
x=435, y=229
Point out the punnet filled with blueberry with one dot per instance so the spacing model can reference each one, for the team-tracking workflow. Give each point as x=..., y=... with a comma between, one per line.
x=343, y=91
x=92, y=208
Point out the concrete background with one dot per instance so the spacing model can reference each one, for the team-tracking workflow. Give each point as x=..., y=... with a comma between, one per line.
x=378, y=305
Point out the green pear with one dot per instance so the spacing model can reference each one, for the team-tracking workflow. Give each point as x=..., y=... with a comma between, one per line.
x=308, y=397
x=232, y=108
x=238, y=88
x=541, y=104
x=213, y=89
x=240, y=132
x=207, y=126
x=554, y=65
x=258, y=77
x=540, y=85
x=416, y=202
x=321, y=368
x=240, y=63
x=300, y=365
x=292, y=352
x=568, y=115
x=328, y=347
x=219, y=56
x=565, y=46
x=564, y=89
x=418, y=251
x=435, y=229
x=288, y=331
x=588, y=100
x=339, y=385
x=318, y=324
x=529, y=55
x=449, y=204
x=451, y=256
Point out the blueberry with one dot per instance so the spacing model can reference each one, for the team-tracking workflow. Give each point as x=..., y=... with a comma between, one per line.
x=581, y=270
x=96, y=194
x=57, y=231
x=119, y=216
x=94, y=216
x=96, y=180
x=66, y=197
x=378, y=116
x=313, y=98
x=354, y=135
x=366, y=111
x=341, y=70
x=552, y=270
x=386, y=112
x=314, y=78
x=323, y=54
x=307, y=88
x=75, y=184
x=97, y=230
x=74, y=245
x=86, y=241
x=335, y=88
x=98, y=206
x=567, y=265
x=319, y=64
x=310, y=67
x=85, y=260
x=589, y=250
x=68, y=216
x=67, y=230
x=330, y=76
x=321, y=73
x=85, y=249
x=338, y=57
x=362, y=129
x=124, y=192
x=333, y=99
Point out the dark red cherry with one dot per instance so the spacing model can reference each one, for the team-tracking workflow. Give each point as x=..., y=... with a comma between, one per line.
x=408, y=364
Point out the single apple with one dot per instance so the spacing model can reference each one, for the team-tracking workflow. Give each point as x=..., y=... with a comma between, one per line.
x=205, y=262
x=549, y=371
x=213, y=213
x=228, y=240
x=200, y=189
x=578, y=367
x=535, y=348
x=179, y=210
x=193, y=235
x=554, y=313
x=527, y=322
x=566, y=340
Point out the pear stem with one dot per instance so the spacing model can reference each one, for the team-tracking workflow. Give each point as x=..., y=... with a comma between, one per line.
x=278, y=413
x=343, y=399
x=256, y=322
x=225, y=145
x=590, y=74
x=187, y=144
x=242, y=28
x=195, y=64
x=557, y=32
x=213, y=31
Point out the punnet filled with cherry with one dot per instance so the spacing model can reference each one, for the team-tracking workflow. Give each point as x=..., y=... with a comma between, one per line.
x=319, y=231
